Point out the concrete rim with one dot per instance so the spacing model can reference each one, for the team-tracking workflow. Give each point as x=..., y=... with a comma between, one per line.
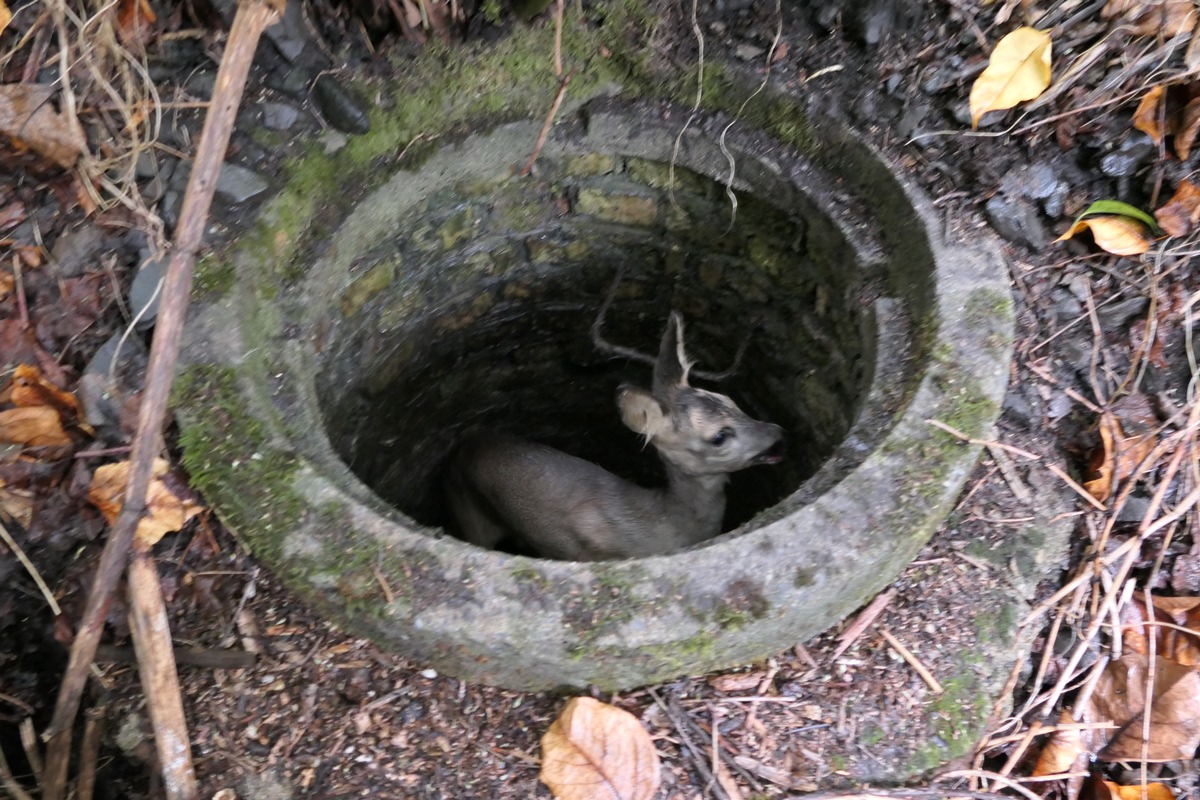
x=529, y=624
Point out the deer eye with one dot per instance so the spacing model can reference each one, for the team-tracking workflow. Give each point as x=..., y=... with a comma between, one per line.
x=723, y=435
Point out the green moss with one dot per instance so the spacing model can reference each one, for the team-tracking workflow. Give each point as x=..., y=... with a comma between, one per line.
x=956, y=717
x=684, y=656
x=872, y=735
x=227, y=453
x=213, y=275
x=366, y=286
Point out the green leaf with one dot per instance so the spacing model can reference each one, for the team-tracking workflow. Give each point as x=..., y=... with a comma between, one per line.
x=1122, y=209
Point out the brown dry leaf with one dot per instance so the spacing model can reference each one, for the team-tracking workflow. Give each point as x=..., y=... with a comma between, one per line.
x=30, y=388
x=1121, y=236
x=594, y=750
x=1019, y=69
x=1169, y=642
x=1181, y=213
x=7, y=284
x=134, y=21
x=1154, y=791
x=1189, y=127
x=166, y=511
x=737, y=681
x=27, y=115
x=1158, y=17
x=1120, y=697
x=17, y=503
x=1064, y=750
x=1120, y=455
x=1150, y=117
x=38, y=426
x=5, y=16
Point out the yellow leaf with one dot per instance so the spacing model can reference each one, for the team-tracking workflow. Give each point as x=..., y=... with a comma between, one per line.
x=1154, y=791
x=165, y=510
x=5, y=16
x=37, y=426
x=1121, y=236
x=594, y=750
x=1019, y=69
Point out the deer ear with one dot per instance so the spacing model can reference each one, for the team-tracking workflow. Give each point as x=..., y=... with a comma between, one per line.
x=641, y=413
x=672, y=365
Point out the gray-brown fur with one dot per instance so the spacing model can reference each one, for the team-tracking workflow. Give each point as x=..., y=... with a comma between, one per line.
x=564, y=507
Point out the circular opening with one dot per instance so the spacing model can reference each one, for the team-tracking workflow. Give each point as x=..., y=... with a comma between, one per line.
x=477, y=314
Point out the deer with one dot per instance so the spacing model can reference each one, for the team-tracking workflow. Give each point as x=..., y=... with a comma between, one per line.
x=498, y=485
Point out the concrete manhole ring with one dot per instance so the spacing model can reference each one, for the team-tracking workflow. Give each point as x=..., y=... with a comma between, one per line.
x=321, y=397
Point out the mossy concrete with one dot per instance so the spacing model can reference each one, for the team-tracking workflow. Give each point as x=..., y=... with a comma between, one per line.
x=255, y=429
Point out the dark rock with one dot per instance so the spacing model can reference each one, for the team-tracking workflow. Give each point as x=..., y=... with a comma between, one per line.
x=1136, y=150
x=1114, y=316
x=237, y=184
x=291, y=82
x=290, y=35
x=76, y=249
x=144, y=294
x=339, y=108
x=110, y=384
x=1018, y=409
x=1017, y=221
x=279, y=116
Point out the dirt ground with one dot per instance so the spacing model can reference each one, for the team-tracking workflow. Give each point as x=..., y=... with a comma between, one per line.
x=320, y=714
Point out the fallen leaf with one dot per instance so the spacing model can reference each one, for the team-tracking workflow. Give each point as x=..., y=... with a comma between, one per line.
x=1151, y=118
x=1154, y=791
x=134, y=18
x=28, y=116
x=737, y=681
x=594, y=750
x=1019, y=69
x=1120, y=209
x=39, y=426
x=1188, y=128
x=1120, y=454
x=1064, y=750
x=1119, y=235
x=17, y=503
x=1164, y=18
x=1170, y=614
x=1120, y=697
x=166, y=509
x=1181, y=213
x=30, y=388
x=5, y=16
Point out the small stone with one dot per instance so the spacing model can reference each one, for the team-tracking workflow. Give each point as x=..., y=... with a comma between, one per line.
x=414, y=711
x=333, y=141
x=748, y=52
x=279, y=116
x=1114, y=316
x=237, y=184
x=1017, y=221
x=76, y=249
x=106, y=388
x=429, y=673
x=145, y=293
x=290, y=35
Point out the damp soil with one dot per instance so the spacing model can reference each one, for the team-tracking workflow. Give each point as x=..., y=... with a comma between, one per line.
x=321, y=714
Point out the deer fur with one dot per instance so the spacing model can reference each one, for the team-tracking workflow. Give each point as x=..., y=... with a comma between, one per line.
x=564, y=507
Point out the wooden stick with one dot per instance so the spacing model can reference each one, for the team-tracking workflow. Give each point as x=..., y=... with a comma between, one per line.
x=89, y=754
x=253, y=16
x=868, y=615
x=151, y=632
x=913, y=661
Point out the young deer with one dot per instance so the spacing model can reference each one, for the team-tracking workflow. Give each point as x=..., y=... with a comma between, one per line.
x=567, y=508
